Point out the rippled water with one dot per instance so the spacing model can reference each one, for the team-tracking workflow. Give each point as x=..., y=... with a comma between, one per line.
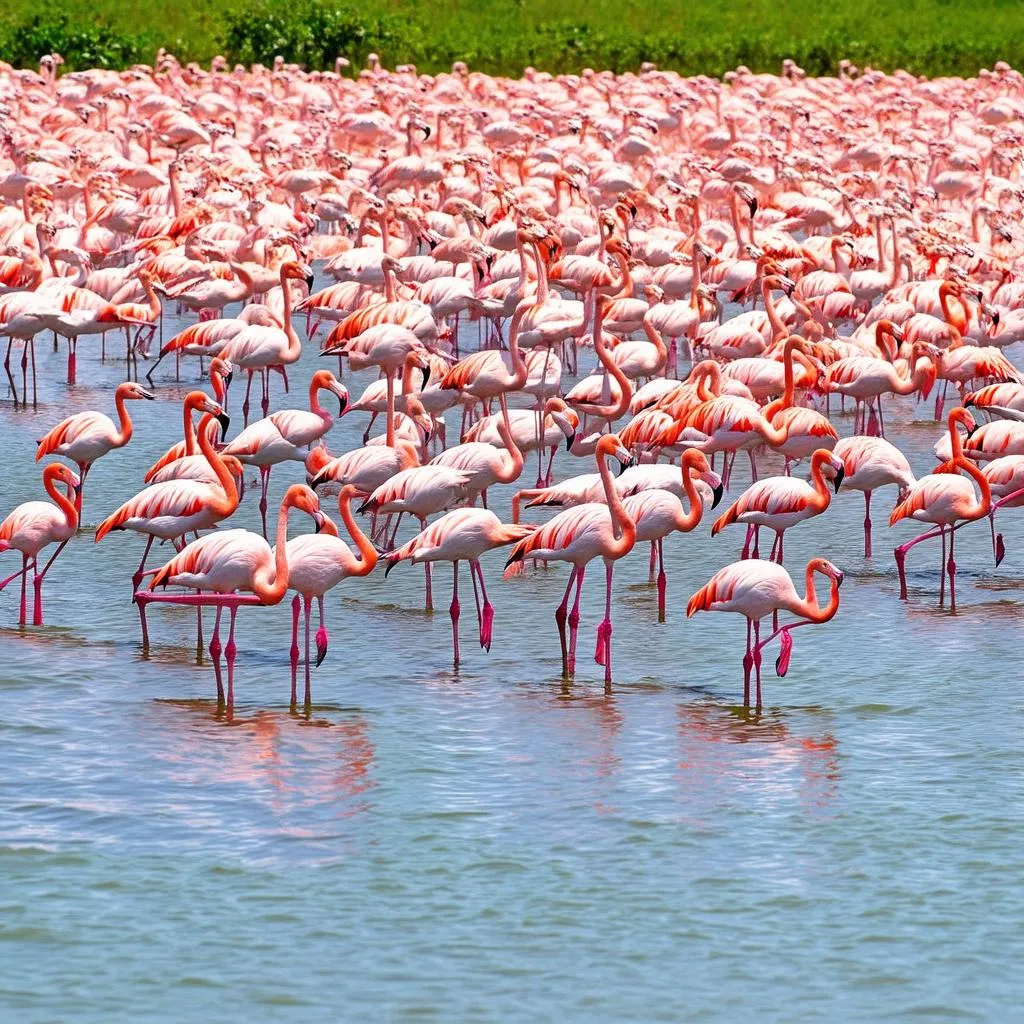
x=495, y=844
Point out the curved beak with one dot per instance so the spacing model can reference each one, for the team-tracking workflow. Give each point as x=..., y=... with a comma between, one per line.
x=228, y=378
x=426, y=377
x=225, y=421
x=149, y=395
x=838, y=482
x=839, y=577
x=336, y=351
x=718, y=492
x=318, y=519
x=570, y=440
x=625, y=464
x=392, y=562
x=426, y=131
x=342, y=395
x=752, y=206
x=309, y=281
x=319, y=480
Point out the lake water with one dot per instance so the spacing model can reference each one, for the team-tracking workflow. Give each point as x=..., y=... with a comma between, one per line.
x=495, y=844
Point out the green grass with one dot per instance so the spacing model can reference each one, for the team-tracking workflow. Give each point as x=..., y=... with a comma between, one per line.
x=932, y=37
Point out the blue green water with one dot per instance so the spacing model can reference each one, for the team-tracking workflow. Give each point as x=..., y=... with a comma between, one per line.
x=495, y=844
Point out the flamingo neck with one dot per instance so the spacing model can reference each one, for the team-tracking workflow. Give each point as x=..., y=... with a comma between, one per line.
x=809, y=608
x=314, y=402
x=61, y=500
x=271, y=591
x=819, y=483
x=623, y=527
x=542, y=275
x=695, y=282
x=124, y=421
x=512, y=466
x=657, y=341
x=367, y=552
x=957, y=321
x=624, y=286
x=520, y=371
x=190, y=431
x=778, y=327
x=616, y=409
x=226, y=505
x=690, y=519
x=389, y=284
x=964, y=463
x=294, y=345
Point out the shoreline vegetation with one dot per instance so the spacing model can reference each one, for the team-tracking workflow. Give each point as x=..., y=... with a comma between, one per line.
x=502, y=37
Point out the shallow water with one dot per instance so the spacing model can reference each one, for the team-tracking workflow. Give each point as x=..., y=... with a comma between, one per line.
x=495, y=844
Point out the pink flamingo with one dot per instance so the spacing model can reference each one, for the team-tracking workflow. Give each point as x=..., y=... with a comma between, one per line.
x=756, y=588
x=35, y=524
x=226, y=562
x=318, y=562
x=88, y=436
x=945, y=499
x=462, y=534
x=579, y=535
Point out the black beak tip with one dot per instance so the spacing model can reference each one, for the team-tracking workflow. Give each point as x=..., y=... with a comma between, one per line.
x=392, y=562
x=426, y=377
x=225, y=421
x=570, y=441
x=718, y=492
x=320, y=658
x=342, y=405
x=309, y=282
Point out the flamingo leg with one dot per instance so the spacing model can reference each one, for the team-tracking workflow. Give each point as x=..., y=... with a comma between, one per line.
x=230, y=651
x=652, y=562
x=757, y=660
x=867, y=524
x=137, y=577
x=745, y=553
x=574, y=621
x=307, y=604
x=551, y=467
x=454, y=610
x=748, y=663
x=560, y=617
x=37, y=585
x=7, y=368
x=245, y=402
x=951, y=568
x=486, y=611
x=266, y=392
x=215, y=649
x=942, y=568
x=603, y=653
x=264, y=487
x=429, y=599
x=900, y=555
x=662, y=581
x=293, y=653
x=322, y=636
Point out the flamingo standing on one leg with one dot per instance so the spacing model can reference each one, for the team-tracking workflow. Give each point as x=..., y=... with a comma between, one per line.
x=757, y=588
x=88, y=436
x=463, y=534
x=870, y=463
x=35, y=524
x=579, y=535
x=944, y=499
x=229, y=561
x=318, y=562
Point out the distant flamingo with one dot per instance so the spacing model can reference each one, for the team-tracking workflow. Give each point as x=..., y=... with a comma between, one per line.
x=35, y=524
x=756, y=588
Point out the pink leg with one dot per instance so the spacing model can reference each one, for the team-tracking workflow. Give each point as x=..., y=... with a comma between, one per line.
x=230, y=652
x=900, y=555
x=266, y=393
x=662, y=581
x=453, y=611
x=560, y=616
x=487, y=610
x=603, y=653
x=574, y=621
x=215, y=650
x=745, y=553
x=652, y=563
x=942, y=568
x=748, y=664
x=264, y=487
x=867, y=524
x=293, y=653
x=551, y=467
x=951, y=568
x=307, y=604
x=757, y=660
x=429, y=601
x=137, y=577
x=245, y=402
x=321, y=634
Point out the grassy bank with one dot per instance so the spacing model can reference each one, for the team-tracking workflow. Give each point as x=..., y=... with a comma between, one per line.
x=932, y=37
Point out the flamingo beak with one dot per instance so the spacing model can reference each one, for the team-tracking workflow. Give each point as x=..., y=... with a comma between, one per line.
x=342, y=395
x=718, y=492
x=838, y=482
x=318, y=519
x=147, y=394
x=392, y=562
x=570, y=440
x=752, y=206
x=225, y=421
x=426, y=377
x=319, y=480
x=228, y=377
x=309, y=281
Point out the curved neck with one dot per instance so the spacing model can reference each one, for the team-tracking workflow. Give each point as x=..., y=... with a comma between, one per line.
x=542, y=275
x=688, y=520
x=124, y=421
x=294, y=345
x=389, y=284
x=778, y=327
x=914, y=380
x=190, y=431
x=809, y=607
x=957, y=322
x=819, y=483
x=367, y=552
x=227, y=505
x=61, y=500
x=314, y=402
x=270, y=591
x=964, y=463
x=695, y=281
x=512, y=466
x=623, y=527
x=520, y=371
x=624, y=286
x=657, y=341
x=897, y=263
x=616, y=409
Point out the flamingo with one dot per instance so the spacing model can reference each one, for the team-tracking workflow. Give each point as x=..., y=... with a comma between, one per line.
x=486, y=463
x=287, y=435
x=870, y=463
x=944, y=499
x=463, y=534
x=34, y=525
x=579, y=535
x=780, y=502
x=88, y=436
x=657, y=512
x=227, y=562
x=756, y=588
x=318, y=562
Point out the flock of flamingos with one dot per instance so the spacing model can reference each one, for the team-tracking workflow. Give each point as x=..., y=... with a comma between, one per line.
x=486, y=238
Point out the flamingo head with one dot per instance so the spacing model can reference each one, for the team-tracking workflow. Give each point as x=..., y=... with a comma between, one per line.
x=826, y=568
x=204, y=403
x=964, y=418
x=303, y=498
x=326, y=381
x=221, y=371
x=610, y=445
